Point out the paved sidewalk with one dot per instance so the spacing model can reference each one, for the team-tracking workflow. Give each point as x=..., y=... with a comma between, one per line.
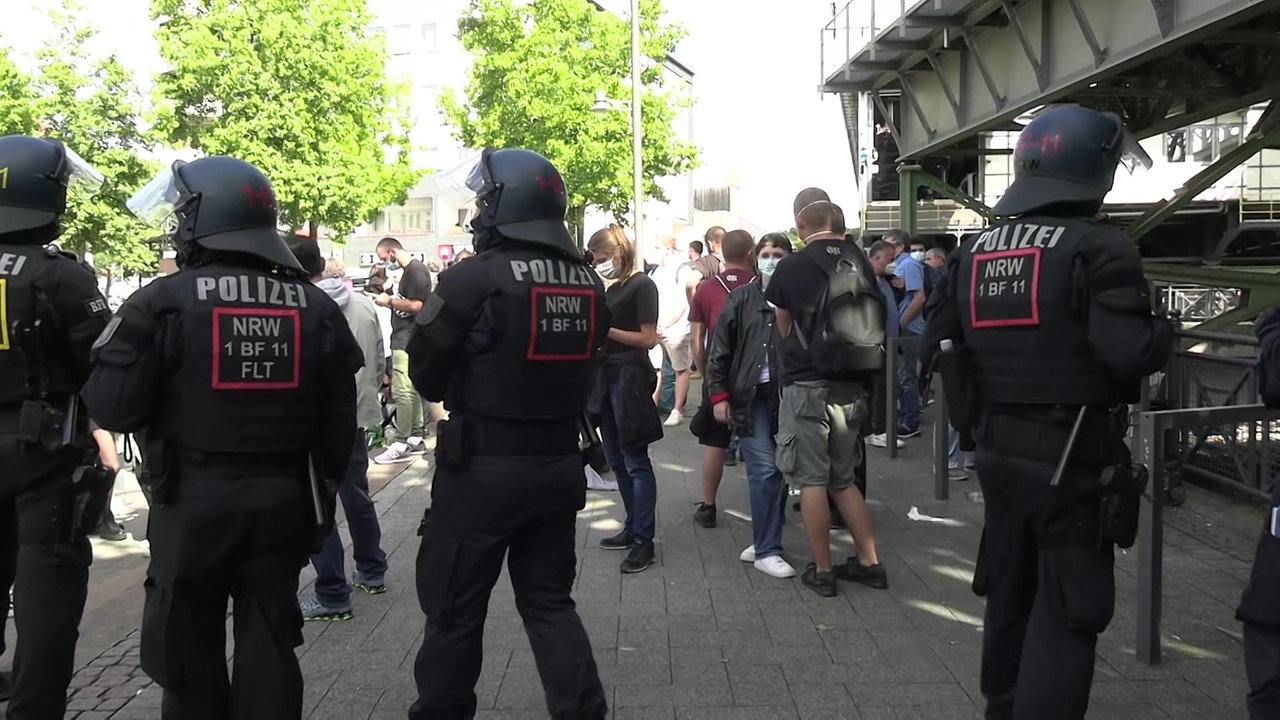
x=702, y=635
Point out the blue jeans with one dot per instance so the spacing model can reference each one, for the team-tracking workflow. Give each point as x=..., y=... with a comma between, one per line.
x=332, y=588
x=764, y=481
x=633, y=469
x=908, y=385
x=667, y=396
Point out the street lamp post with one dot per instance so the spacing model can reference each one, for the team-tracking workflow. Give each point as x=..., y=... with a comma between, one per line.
x=637, y=159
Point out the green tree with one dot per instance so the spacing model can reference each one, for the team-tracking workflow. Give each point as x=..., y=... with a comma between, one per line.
x=296, y=87
x=537, y=68
x=92, y=105
x=17, y=102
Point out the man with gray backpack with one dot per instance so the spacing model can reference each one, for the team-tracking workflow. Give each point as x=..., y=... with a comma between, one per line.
x=831, y=318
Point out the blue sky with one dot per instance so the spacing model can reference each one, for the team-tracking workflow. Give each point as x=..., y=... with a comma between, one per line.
x=759, y=115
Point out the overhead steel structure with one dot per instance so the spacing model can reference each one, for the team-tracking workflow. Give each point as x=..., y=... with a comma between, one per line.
x=956, y=68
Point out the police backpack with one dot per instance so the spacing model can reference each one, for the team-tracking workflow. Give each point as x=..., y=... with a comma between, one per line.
x=849, y=339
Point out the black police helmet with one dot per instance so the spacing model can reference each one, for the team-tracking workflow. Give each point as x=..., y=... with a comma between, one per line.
x=1067, y=154
x=520, y=194
x=33, y=182
x=227, y=204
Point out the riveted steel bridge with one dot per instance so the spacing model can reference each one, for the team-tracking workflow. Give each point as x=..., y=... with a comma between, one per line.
x=932, y=89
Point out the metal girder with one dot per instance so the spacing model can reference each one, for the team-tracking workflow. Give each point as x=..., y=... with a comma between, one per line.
x=960, y=196
x=1007, y=73
x=900, y=45
x=1099, y=52
x=1039, y=61
x=946, y=87
x=888, y=119
x=1261, y=288
x=1261, y=134
x=911, y=177
x=1164, y=16
x=910, y=95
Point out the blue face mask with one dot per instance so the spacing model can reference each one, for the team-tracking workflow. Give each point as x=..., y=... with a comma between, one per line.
x=768, y=265
x=392, y=265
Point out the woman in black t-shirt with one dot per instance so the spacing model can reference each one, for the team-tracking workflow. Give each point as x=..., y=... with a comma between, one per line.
x=628, y=421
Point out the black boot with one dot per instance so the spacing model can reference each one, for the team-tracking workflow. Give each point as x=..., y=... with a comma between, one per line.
x=109, y=529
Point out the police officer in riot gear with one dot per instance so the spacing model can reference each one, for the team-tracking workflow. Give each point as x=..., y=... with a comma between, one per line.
x=240, y=374
x=1260, y=604
x=1050, y=314
x=51, y=493
x=507, y=342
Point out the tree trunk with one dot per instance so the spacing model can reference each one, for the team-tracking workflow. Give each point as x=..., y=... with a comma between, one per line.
x=313, y=230
x=110, y=275
x=576, y=216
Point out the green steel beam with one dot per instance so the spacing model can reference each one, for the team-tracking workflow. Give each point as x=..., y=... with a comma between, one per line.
x=960, y=196
x=1265, y=132
x=1261, y=286
x=907, y=197
x=913, y=177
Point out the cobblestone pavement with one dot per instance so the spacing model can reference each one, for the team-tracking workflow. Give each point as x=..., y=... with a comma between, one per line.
x=702, y=635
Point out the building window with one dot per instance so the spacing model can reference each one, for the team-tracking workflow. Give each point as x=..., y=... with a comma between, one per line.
x=417, y=217
x=401, y=40
x=430, y=38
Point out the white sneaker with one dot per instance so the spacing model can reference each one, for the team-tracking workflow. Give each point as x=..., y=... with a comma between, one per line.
x=881, y=440
x=416, y=445
x=397, y=452
x=775, y=566
x=748, y=555
x=674, y=418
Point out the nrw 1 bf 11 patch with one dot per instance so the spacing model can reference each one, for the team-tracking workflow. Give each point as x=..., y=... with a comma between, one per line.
x=256, y=348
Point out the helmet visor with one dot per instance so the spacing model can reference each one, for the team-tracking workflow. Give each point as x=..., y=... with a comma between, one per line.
x=1132, y=154
x=469, y=175
x=158, y=199
x=81, y=176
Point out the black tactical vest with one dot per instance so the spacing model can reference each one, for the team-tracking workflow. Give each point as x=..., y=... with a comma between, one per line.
x=538, y=335
x=246, y=370
x=34, y=354
x=1022, y=298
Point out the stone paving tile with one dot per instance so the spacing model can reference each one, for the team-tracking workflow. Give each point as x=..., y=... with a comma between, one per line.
x=702, y=635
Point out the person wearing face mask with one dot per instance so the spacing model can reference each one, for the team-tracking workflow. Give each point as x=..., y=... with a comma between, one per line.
x=911, y=323
x=741, y=371
x=704, y=311
x=411, y=292
x=623, y=406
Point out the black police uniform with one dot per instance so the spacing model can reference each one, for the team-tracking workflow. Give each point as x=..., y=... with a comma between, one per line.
x=507, y=342
x=241, y=375
x=50, y=313
x=1052, y=312
x=1260, y=605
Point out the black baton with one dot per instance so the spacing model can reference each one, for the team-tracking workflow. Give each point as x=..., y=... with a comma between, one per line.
x=1071, y=446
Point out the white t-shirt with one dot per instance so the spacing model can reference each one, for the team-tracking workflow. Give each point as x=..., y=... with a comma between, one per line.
x=672, y=280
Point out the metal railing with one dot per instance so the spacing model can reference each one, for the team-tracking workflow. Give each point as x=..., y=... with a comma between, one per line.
x=1149, y=450
x=853, y=28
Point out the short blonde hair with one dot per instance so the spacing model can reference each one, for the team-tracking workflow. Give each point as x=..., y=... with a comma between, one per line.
x=334, y=268
x=613, y=241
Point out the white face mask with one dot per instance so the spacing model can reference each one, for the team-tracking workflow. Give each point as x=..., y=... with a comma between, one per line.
x=768, y=265
x=607, y=270
x=918, y=256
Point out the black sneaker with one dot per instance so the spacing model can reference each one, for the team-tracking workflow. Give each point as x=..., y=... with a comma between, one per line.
x=6, y=686
x=823, y=583
x=639, y=559
x=874, y=576
x=621, y=541
x=705, y=515
x=730, y=458
x=111, y=530
x=367, y=586
x=908, y=433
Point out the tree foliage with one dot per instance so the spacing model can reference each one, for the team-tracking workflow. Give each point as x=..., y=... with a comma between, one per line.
x=17, y=106
x=92, y=105
x=299, y=89
x=537, y=68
